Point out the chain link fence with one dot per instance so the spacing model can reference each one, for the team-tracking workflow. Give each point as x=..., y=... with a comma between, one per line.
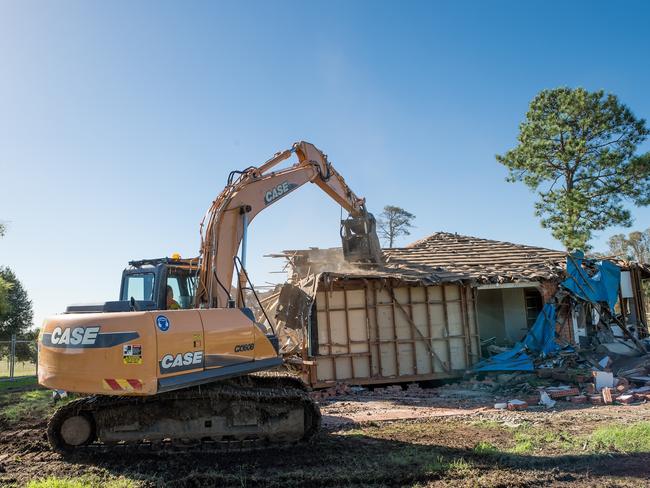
x=18, y=358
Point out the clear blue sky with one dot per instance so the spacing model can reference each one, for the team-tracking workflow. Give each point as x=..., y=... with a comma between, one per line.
x=119, y=121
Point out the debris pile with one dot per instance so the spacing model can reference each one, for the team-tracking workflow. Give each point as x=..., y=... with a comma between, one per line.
x=343, y=389
x=604, y=384
x=623, y=382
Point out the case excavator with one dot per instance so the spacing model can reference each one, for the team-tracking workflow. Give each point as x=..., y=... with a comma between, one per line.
x=179, y=360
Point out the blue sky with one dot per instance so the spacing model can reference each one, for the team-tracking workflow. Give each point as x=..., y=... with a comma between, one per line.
x=119, y=121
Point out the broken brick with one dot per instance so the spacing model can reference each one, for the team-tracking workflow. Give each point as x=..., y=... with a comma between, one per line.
x=607, y=395
x=622, y=388
x=626, y=399
x=532, y=400
x=567, y=392
x=517, y=405
x=579, y=399
x=595, y=399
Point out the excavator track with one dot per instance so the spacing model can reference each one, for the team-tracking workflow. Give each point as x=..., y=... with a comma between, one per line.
x=249, y=412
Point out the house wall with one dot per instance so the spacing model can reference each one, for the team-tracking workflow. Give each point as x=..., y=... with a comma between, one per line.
x=376, y=333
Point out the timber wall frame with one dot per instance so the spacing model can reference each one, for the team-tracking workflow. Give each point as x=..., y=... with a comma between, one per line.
x=372, y=331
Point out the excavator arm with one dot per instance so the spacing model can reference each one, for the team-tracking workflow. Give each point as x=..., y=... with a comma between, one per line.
x=256, y=188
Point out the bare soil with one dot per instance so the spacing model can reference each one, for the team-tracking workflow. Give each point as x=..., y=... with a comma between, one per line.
x=384, y=441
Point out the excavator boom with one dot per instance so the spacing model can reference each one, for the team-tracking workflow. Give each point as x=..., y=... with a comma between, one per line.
x=255, y=189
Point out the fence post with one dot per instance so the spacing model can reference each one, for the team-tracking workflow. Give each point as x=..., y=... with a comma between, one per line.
x=12, y=357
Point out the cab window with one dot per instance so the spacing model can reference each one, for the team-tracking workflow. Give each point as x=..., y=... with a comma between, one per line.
x=139, y=287
x=183, y=287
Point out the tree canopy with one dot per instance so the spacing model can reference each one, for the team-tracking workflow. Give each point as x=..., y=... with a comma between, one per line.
x=577, y=151
x=635, y=246
x=17, y=317
x=394, y=222
x=4, y=286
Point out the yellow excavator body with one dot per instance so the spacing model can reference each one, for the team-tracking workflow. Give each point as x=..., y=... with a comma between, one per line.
x=144, y=353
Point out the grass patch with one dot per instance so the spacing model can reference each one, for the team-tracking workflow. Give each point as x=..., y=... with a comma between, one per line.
x=530, y=439
x=427, y=460
x=631, y=438
x=81, y=482
x=460, y=467
x=485, y=449
x=6, y=384
x=26, y=404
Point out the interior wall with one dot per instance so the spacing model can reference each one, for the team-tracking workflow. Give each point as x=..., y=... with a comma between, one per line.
x=489, y=306
x=514, y=313
x=502, y=314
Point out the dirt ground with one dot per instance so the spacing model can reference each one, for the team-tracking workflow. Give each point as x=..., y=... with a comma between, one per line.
x=368, y=441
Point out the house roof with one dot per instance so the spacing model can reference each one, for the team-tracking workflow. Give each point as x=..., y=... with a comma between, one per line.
x=330, y=262
x=480, y=260
x=445, y=257
x=441, y=257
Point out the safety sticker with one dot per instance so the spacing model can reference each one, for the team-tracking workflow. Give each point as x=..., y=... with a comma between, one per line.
x=163, y=323
x=132, y=354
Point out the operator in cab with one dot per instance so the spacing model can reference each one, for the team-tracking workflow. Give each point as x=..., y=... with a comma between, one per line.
x=171, y=303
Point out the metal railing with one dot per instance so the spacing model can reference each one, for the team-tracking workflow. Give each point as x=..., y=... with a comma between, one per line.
x=18, y=358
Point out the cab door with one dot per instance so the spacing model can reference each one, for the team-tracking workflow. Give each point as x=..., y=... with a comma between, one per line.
x=179, y=338
x=229, y=338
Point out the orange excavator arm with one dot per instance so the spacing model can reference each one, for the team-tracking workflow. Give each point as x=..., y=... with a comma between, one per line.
x=256, y=188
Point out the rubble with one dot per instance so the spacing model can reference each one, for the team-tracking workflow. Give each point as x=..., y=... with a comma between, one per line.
x=579, y=399
x=603, y=379
x=518, y=391
x=546, y=400
x=607, y=395
x=517, y=405
x=626, y=399
x=596, y=399
x=556, y=392
x=586, y=301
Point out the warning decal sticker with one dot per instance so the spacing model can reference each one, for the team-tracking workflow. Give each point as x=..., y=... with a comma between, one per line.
x=132, y=354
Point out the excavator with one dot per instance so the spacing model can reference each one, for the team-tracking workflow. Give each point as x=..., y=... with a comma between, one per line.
x=178, y=360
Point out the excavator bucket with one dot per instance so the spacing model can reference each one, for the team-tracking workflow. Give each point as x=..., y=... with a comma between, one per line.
x=360, y=241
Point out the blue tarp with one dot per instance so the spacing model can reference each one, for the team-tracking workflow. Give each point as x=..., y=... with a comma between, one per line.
x=540, y=340
x=601, y=287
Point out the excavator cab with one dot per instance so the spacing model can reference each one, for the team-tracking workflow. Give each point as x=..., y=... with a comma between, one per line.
x=145, y=283
x=144, y=287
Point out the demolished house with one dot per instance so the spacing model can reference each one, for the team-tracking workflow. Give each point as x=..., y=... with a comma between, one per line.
x=447, y=304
